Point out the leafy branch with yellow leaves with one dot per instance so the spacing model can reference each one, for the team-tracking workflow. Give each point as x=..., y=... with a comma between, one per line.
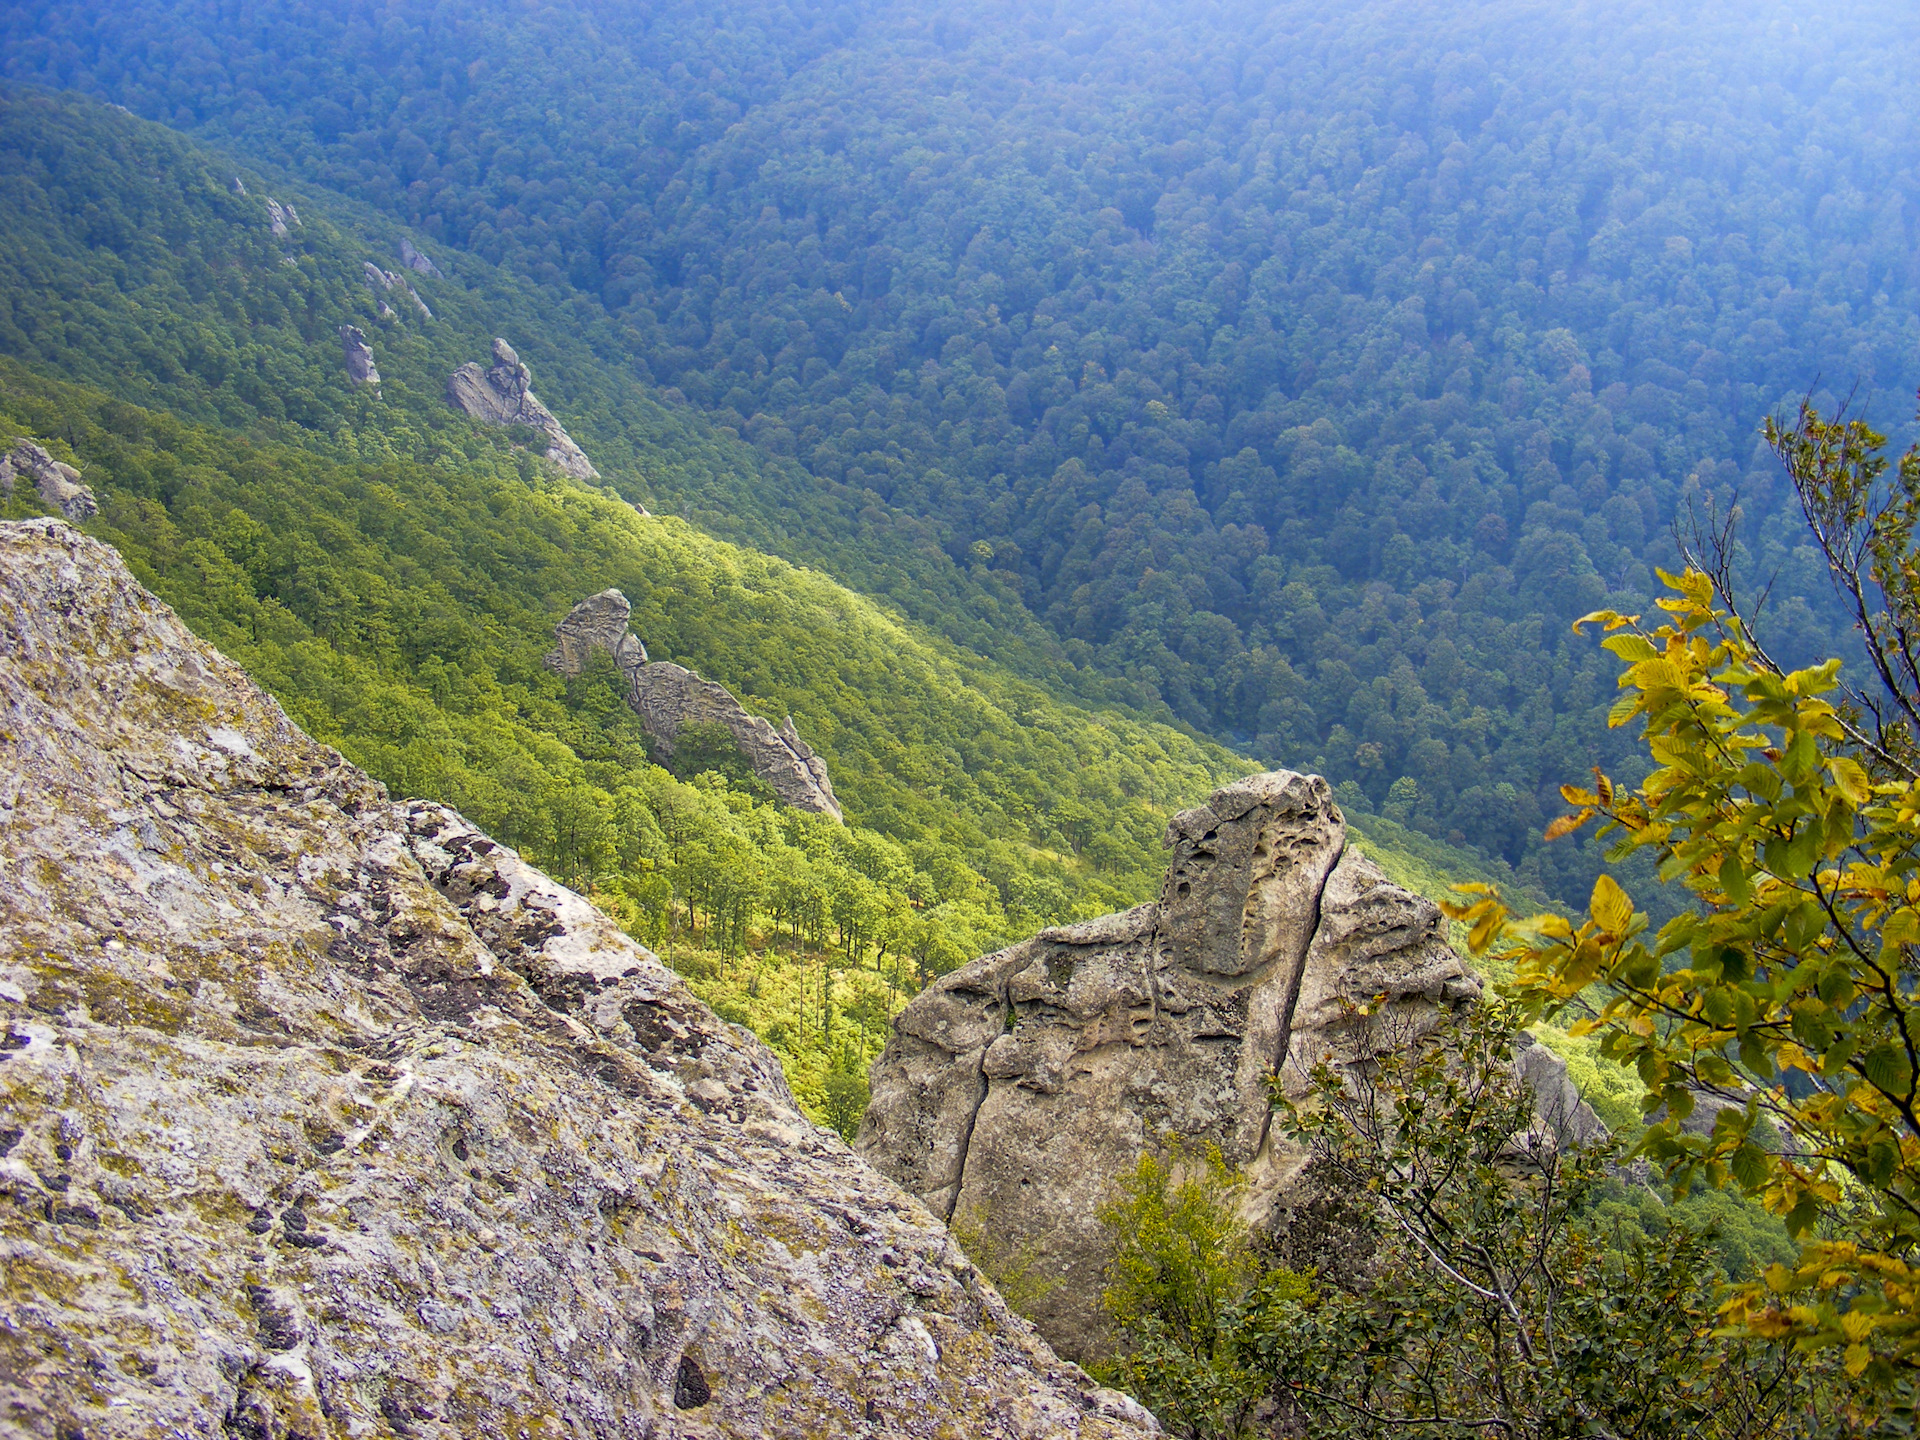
x=1787, y=806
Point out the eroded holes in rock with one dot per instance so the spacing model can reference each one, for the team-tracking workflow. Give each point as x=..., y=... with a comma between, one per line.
x=10, y=1042
x=690, y=1388
x=460, y=1148
x=1059, y=970
x=1183, y=889
x=395, y=1412
x=1010, y=1019
x=10, y=1137
x=658, y=1031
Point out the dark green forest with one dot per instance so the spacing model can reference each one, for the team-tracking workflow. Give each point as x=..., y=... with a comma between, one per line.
x=1302, y=369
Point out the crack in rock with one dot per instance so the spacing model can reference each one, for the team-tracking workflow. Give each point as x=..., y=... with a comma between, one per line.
x=1167, y=1023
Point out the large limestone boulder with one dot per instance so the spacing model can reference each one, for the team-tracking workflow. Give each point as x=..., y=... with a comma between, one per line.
x=56, y=482
x=324, y=1115
x=667, y=697
x=503, y=395
x=1015, y=1092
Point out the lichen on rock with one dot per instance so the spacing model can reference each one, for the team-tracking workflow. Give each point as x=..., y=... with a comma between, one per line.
x=324, y=1114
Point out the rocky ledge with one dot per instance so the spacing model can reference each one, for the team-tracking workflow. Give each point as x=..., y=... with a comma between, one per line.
x=327, y=1116
x=1015, y=1092
x=667, y=696
x=56, y=482
x=503, y=395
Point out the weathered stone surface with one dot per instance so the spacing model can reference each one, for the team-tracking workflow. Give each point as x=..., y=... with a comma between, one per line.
x=359, y=354
x=280, y=218
x=1017, y=1090
x=1557, y=1101
x=417, y=262
x=57, y=483
x=503, y=395
x=667, y=696
x=598, y=622
x=324, y=1115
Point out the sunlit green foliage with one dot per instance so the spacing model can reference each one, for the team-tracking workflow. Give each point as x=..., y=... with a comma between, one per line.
x=1788, y=805
x=1185, y=1289
x=400, y=611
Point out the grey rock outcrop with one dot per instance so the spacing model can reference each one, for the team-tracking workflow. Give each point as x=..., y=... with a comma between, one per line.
x=359, y=356
x=502, y=395
x=325, y=1115
x=384, y=282
x=57, y=483
x=280, y=218
x=1563, y=1115
x=417, y=262
x=667, y=696
x=1017, y=1090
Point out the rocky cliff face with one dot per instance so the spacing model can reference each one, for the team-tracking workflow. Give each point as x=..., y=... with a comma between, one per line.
x=56, y=482
x=361, y=369
x=387, y=282
x=326, y=1116
x=667, y=696
x=503, y=395
x=1017, y=1090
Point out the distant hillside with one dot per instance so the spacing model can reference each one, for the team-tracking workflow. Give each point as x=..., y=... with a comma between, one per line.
x=392, y=573
x=399, y=609
x=1306, y=365
x=130, y=261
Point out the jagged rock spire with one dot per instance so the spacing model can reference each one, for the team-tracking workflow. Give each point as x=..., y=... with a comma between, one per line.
x=667, y=697
x=1016, y=1091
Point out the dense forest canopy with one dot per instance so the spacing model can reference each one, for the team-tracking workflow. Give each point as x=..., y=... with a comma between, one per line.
x=1303, y=367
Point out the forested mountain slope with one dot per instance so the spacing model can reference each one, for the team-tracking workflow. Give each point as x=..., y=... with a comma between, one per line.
x=131, y=261
x=392, y=572
x=1307, y=366
x=400, y=609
